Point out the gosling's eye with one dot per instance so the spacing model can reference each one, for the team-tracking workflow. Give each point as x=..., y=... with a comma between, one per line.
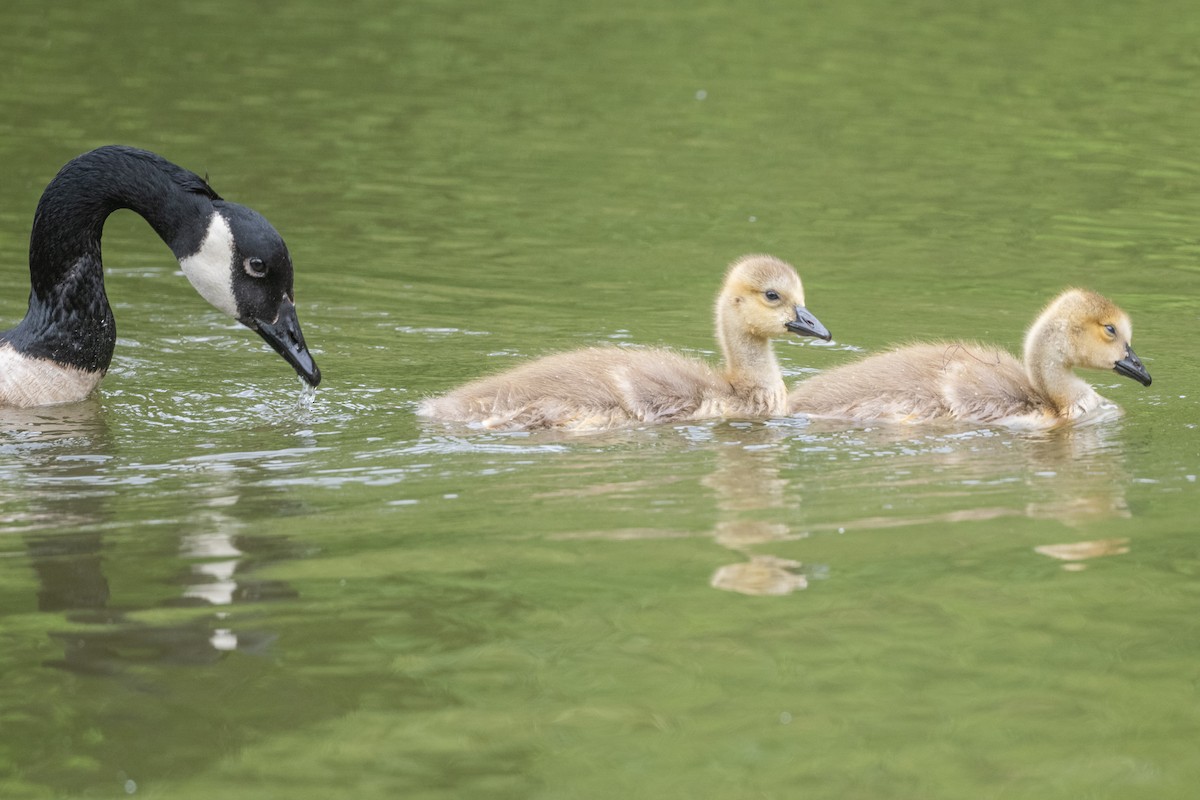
x=771, y=295
x=255, y=267
x=1111, y=330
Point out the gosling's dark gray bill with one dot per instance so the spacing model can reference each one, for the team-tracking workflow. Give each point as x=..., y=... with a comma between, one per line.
x=806, y=324
x=284, y=335
x=1132, y=367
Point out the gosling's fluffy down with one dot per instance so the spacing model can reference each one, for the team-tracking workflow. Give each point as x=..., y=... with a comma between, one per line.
x=984, y=384
x=607, y=387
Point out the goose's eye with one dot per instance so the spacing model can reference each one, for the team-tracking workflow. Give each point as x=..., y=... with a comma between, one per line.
x=771, y=295
x=1111, y=330
x=255, y=267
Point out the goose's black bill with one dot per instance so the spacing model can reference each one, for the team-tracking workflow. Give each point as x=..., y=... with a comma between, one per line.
x=284, y=335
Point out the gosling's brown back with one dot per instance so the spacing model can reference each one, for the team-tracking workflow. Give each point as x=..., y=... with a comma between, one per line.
x=921, y=383
x=596, y=387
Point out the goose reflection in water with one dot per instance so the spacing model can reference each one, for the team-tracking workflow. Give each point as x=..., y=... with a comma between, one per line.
x=57, y=499
x=71, y=580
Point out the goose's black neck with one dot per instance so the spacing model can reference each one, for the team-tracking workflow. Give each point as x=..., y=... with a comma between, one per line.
x=69, y=320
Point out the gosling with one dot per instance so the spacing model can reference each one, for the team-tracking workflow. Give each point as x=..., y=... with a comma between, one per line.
x=599, y=388
x=983, y=384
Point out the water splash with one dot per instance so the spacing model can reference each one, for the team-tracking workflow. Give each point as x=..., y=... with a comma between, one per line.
x=308, y=394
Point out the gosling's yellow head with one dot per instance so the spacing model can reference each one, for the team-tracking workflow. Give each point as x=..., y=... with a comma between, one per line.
x=1098, y=333
x=766, y=298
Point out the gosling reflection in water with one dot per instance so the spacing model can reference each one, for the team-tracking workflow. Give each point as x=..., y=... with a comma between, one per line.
x=761, y=575
x=787, y=480
x=752, y=504
x=1074, y=554
x=1074, y=476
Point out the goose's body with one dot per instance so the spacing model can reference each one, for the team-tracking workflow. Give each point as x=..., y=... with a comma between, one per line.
x=978, y=383
x=608, y=387
x=27, y=382
x=61, y=349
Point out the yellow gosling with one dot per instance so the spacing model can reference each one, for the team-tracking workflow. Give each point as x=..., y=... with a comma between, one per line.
x=610, y=387
x=984, y=384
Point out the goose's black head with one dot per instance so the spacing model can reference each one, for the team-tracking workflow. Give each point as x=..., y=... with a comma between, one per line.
x=241, y=265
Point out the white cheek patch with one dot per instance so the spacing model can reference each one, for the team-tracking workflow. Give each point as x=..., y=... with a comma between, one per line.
x=209, y=268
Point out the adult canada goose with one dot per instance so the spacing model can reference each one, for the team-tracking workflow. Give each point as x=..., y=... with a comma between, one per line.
x=608, y=387
x=231, y=254
x=980, y=383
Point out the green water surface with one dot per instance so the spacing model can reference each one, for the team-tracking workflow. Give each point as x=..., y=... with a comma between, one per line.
x=212, y=585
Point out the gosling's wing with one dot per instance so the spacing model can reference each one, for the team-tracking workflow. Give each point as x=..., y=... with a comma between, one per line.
x=987, y=384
